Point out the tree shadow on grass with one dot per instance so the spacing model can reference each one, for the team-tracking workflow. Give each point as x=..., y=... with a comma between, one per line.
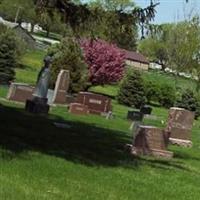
x=185, y=155
x=79, y=142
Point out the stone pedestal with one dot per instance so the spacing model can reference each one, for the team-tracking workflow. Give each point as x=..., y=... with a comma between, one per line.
x=151, y=140
x=37, y=105
x=179, y=124
x=61, y=88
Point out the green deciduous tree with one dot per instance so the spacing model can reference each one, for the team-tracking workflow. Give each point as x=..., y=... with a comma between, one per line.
x=115, y=23
x=190, y=101
x=155, y=45
x=194, y=67
x=19, y=10
x=68, y=55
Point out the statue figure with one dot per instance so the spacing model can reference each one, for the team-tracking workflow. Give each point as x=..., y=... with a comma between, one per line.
x=38, y=104
x=43, y=79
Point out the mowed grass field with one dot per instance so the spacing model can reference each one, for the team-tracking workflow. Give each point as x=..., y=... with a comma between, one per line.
x=29, y=66
x=86, y=159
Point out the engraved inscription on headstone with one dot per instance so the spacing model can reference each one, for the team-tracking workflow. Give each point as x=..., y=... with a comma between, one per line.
x=78, y=109
x=97, y=104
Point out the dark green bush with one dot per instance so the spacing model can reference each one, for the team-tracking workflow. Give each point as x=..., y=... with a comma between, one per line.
x=167, y=96
x=152, y=91
x=68, y=55
x=164, y=94
x=132, y=91
x=10, y=49
x=190, y=101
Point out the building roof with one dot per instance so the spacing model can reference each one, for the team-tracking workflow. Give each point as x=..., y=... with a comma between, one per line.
x=134, y=56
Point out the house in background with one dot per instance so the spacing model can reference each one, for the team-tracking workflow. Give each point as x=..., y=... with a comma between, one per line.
x=136, y=60
x=21, y=32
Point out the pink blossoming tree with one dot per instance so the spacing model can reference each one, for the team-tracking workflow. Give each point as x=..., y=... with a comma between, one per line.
x=106, y=61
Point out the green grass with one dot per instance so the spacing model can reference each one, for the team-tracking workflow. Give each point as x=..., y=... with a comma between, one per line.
x=3, y=91
x=29, y=66
x=109, y=90
x=53, y=36
x=164, y=78
x=87, y=160
x=159, y=77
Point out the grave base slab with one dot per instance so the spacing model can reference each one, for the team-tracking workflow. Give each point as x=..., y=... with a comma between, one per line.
x=149, y=152
x=180, y=142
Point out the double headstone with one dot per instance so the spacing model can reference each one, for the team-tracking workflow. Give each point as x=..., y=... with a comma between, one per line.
x=179, y=125
x=97, y=104
x=20, y=92
x=151, y=140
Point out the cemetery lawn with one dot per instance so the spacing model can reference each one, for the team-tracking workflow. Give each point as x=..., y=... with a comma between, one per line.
x=29, y=66
x=86, y=160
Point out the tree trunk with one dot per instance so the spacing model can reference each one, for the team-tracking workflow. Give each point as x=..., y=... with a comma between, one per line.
x=176, y=80
x=47, y=33
x=198, y=84
x=163, y=67
x=32, y=28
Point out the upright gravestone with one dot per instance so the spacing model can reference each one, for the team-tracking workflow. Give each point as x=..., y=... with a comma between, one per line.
x=146, y=110
x=179, y=125
x=61, y=88
x=20, y=92
x=151, y=140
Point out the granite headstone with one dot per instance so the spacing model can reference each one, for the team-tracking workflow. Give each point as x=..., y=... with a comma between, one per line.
x=20, y=92
x=150, y=140
x=61, y=88
x=180, y=122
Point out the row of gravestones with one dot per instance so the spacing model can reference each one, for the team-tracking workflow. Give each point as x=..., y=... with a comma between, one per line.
x=84, y=103
x=147, y=139
x=21, y=92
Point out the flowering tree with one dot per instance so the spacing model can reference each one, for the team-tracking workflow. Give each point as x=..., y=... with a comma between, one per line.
x=105, y=61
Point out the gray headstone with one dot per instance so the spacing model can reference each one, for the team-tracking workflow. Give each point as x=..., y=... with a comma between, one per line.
x=61, y=88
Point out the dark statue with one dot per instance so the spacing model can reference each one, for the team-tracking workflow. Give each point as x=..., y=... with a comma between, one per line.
x=38, y=104
x=43, y=79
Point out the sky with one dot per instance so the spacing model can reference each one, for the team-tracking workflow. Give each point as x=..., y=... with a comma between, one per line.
x=172, y=10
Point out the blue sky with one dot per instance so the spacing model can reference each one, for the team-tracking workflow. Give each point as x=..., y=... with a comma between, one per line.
x=172, y=10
